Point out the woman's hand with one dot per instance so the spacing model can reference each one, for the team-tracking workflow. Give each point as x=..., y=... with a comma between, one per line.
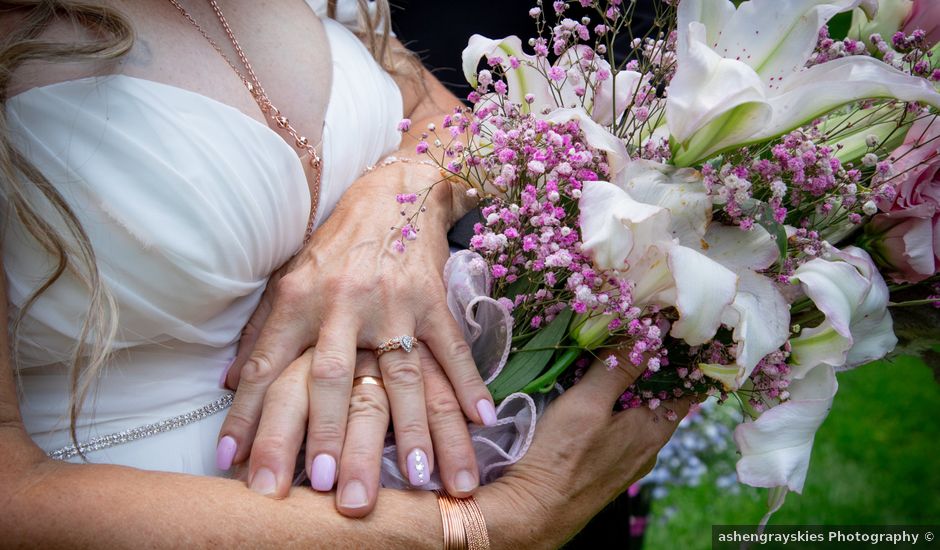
x=348, y=289
x=582, y=457
x=283, y=427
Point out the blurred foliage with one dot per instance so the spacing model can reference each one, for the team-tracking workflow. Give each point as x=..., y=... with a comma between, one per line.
x=874, y=462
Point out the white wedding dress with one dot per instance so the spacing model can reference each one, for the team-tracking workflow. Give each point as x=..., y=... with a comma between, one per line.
x=190, y=205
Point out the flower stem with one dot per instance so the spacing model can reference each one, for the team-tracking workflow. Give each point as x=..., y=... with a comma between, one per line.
x=913, y=303
x=546, y=382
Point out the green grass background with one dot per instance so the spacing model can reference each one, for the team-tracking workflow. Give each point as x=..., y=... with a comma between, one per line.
x=876, y=460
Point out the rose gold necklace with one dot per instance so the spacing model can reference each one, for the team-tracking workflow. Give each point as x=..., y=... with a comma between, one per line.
x=261, y=98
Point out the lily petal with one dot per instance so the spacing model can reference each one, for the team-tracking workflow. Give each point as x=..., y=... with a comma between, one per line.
x=713, y=102
x=776, y=37
x=726, y=374
x=890, y=18
x=653, y=282
x=612, y=222
x=704, y=288
x=822, y=88
x=679, y=191
x=740, y=250
x=714, y=14
x=854, y=298
x=872, y=327
x=820, y=345
x=523, y=80
x=775, y=448
x=607, y=108
x=760, y=317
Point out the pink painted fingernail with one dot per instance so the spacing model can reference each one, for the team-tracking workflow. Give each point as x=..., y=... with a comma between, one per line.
x=487, y=412
x=225, y=453
x=323, y=472
x=224, y=374
x=419, y=471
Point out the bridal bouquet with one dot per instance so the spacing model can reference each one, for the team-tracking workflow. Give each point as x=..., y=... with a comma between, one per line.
x=722, y=199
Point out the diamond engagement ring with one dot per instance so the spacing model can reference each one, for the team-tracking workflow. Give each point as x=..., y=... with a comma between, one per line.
x=406, y=343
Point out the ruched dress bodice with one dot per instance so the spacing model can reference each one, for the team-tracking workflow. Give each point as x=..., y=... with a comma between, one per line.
x=189, y=205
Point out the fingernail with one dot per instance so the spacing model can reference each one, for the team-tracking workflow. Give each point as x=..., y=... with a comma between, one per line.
x=225, y=453
x=263, y=482
x=224, y=374
x=487, y=412
x=418, y=468
x=354, y=495
x=465, y=481
x=323, y=472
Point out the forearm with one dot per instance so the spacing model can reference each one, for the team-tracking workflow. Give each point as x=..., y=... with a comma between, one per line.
x=59, y=504
x=103, y=505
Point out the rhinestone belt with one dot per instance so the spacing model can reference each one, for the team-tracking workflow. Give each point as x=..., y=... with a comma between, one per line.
x=148, y=430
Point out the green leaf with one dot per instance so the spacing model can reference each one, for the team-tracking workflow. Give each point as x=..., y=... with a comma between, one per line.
x=525, y=364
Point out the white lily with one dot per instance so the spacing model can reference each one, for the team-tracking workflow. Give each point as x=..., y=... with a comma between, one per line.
x=622, y=232
x=527, y=78
x=741, y=75
x=653, y=222
x=759, y=314
x=775, y=448
x=850, y=292
x=603, y=100
x=847, y=288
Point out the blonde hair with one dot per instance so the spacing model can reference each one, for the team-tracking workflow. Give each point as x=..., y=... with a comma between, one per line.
x=26, y=192
x=24, y=187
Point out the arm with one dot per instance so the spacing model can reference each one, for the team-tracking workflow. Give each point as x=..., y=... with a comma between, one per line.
x=47, y=502
x=580, y=459
x=427, y=101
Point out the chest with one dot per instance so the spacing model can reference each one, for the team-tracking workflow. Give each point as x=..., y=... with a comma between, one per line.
x=283, y=42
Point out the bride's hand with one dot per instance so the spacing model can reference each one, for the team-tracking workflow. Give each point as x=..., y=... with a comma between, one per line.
x=347, y=289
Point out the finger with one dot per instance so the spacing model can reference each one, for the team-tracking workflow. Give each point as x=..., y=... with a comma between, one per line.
x=454, y=452
x=653, y=428
x=284, y=337
x=607, y=383
x=361, y=462
x=447, y=342
x=249, y=335
x=280, y=431
x=330, y=381
x=401, y=372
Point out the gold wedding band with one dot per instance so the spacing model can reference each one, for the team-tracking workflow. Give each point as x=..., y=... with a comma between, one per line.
x=369, y=380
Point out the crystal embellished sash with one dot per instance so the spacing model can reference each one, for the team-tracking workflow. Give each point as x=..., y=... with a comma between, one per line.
x=148, y=430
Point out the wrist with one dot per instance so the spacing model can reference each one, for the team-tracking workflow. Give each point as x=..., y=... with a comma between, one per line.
x=516, y=518
x=442, y=195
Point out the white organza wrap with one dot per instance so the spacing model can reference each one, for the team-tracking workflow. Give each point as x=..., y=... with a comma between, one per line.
x=487, y=327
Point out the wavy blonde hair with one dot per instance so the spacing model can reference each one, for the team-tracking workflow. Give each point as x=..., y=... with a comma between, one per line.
x=26, y=192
